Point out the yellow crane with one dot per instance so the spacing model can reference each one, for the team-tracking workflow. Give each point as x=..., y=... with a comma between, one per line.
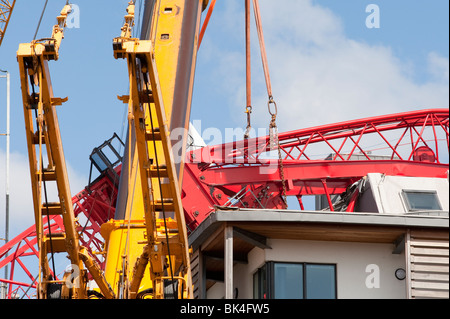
x=146, y=247
x=158, y=101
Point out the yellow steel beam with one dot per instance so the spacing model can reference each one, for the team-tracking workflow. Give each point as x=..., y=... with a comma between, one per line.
x=39, y=107
x=153, y=235
x=44, y=138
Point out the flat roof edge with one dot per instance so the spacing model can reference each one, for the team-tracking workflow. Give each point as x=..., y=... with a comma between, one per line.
x=333, y=217
x=213, y=221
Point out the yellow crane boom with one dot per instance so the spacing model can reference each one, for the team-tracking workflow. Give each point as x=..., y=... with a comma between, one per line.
x=153, y=207
x=47, y=165
x=146, y=245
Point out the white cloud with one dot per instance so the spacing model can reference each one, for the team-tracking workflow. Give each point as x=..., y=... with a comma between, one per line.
x=318, y=74
x=439, y=67
x=21, y=201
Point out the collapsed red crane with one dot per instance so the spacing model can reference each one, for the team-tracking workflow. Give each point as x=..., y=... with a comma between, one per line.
x=244, y=174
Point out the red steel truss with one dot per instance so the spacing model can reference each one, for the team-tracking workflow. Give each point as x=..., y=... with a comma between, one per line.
x=294, y=144
x=322, y=160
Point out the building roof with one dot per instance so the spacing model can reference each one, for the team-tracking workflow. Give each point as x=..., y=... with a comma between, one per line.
x=317, y=225
x=253, y=227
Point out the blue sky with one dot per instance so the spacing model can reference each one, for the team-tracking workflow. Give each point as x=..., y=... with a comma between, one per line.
x=325, y=64
x=411, y=28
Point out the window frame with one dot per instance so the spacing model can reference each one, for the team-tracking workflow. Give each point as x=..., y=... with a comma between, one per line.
x=269, y=269
x=406, y=200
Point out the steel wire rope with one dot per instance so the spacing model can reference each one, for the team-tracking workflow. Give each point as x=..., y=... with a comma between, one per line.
x=127, y=242
x=31, y=285
x=122, y=133
x=40, y=20
x=42, y=175
x=248, y=108
x=273, y=130
x=48, y=220
x=140, y=13
x=175, y=293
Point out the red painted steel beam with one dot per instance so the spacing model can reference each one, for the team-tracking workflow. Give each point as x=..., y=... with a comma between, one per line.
x=316, y=170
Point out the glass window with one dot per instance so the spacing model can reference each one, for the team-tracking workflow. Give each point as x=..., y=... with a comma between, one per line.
x=295, y=281
x=320, y=281
x=288, y=281
x=421, y=200
x=260, y=287
x=99, y=162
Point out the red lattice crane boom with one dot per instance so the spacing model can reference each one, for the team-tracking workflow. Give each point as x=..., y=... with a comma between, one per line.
x=243, y=174
x=6, y=8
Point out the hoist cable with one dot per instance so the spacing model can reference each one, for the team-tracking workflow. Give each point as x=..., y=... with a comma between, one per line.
x=262, y=47
x=40, y=20
x=160, y=186
x=49, y=226
x=273, y=130
x=45, y=190
x=248, y=75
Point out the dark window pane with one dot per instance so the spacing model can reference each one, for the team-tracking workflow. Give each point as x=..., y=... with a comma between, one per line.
x=288, y=281
x=260, y=287
x=99, y=162
x=422, y=200
x=263, y=283
x=256, y=285
x=320, y=282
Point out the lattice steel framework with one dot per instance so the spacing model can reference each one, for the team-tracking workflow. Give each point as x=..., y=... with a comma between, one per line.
x=6, y=8
x=322, y=160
